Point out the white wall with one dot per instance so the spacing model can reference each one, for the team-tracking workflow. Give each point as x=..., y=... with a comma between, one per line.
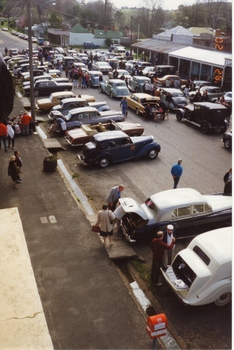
x=77, y=39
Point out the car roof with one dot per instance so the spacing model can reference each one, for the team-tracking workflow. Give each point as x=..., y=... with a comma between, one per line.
x=83, y=109
x=109, y=135
x=140, y=77
x=209, y=87
x=95, y=72
x=210, y=105
x=73, y=99
x=170, y=89
x=116, y=80
x=170, y=199
x=61, y=93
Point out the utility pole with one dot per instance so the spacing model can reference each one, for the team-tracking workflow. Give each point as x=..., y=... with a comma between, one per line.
x=32, y=100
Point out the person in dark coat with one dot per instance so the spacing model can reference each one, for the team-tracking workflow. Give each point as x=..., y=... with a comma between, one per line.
x=13, y=171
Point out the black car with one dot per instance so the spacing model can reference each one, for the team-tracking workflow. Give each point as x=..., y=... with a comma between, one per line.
x=89, y=45
x=206, y=115
x=43, y=87
x=227, y=139
x=116, y=146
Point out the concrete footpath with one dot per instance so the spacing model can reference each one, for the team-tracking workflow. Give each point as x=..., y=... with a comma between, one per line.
x=86, y=303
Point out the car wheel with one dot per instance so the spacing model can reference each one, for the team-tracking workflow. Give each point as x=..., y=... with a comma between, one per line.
x=111, y=95
x=137, y=111
x=227, y=144
x=153, y=153
x=104, y=162
x=223, y=299
x=204, y=128
x=36, y=93
x=179, y=116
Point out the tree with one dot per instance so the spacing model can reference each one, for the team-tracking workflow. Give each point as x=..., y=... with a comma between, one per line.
x=55, y=21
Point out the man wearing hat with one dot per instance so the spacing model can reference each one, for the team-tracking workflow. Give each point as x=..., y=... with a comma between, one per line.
x=176, y=172
x=168, y=234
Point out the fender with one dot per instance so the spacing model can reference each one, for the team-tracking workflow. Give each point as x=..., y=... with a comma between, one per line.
x=181, y=110
x=145, y=149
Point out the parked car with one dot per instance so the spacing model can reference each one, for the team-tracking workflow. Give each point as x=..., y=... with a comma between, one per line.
x=90, y=45
x=120, y=50
x=115, y=146
x=227, y=139
x=114, y=88
x=71, y=103
x=46, y=87
x=80, y=136
x=201, y=273
x=190, y=212
x=197, y=84
x=148, y=71
x=68, y=60
x=121, y=72
x=138, y=101
x=95, y=78
x=212, y=92
x=103, y=67
x=172, y=79
x=206, y=115
x=89, y=115
x=177, y=95
x=36, y=73
x=54, y=99
x=163, y=69
x=136, y=83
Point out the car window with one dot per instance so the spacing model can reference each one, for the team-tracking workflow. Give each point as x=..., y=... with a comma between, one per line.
x=181, y=212
x=50, y=83
x=113, y=144
x=41, y=85
x=92, y=115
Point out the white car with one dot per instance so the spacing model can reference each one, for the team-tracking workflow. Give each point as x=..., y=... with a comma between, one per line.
x=148, y=70
x=201, y=273
x=103, y=67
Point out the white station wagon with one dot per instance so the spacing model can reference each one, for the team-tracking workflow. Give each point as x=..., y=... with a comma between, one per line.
x=201, y=273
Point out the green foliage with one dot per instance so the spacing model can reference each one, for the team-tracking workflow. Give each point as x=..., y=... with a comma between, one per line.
x=108, y=42
x=55, y=21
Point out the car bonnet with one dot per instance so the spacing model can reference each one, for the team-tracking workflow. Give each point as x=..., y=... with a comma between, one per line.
x=129, y=205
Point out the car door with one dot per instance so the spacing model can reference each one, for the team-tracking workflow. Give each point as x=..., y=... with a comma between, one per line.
x=50, y=86
x=109, y=87
x=121, y=149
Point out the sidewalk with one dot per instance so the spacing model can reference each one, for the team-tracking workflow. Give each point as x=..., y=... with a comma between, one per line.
x=86, y=303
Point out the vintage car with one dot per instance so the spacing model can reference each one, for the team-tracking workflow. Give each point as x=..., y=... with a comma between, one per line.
x=121, y=72
x=136, y=83
x=162, y=81
x=89, y=115
x=138, y=101
x=162, y=69
x=103, y=67
x=71, y=103
x=80, y=136
x=114, y=88
x=67, y=61
x=94, y=78
x=45, y=77
x=148, y=71
x=201, y=273
x=43, y=87
x=212, y=92
x=54, y=99
x=116, y=146
x=190, y=212
x=90, y=45
x=36, y=73
x=177, y=95
x=227, y=139
x=206, y=115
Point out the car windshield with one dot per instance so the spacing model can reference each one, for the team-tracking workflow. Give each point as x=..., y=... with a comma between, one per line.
x=120, y=84
x=177, y=94
x=68, y=116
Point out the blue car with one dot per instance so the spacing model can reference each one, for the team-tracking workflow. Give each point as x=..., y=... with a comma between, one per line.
x=116, y=146
x=95, y=78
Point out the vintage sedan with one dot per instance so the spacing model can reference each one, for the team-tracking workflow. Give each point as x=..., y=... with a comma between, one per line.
x=42, y=87
x=116, y=146
x=201, y=273
x=163, y=81
x=206, y=115
x=136, y=83
x=121, y=72
x=103, y=67
x=80, y=136
x=114, y=88
x=138, y=101
x=227, y=139
x=190, y=212
x=212, y=92
x=177, y=95
x=95, y=78
x=45, y=104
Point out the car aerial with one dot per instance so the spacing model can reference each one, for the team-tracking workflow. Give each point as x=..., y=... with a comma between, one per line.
x=43, y=87
x=206, y=115
x=121, y=72
x=90, y=45
x=227, y=139
x=116, y=146
x=138, y=101
x=177, y=96
x=190, y=212
x=54, y=99
x=95, y=78
x=89, y=115
x=80, y=136
x=136, y=83
x=212, y=92
x=114, y=88
x=201, y=273
x=71, y=103
x=172, y=78
x=103, y=67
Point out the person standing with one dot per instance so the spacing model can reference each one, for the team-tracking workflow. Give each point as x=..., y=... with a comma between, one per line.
x=114, y=195
x=105, y=219
x=124, y=105
x=168, y=234
x=13, y=171
x=19, y=163
x=176, y=172
x=3, y=136
x=11, y=134
x=25, y=122
x=228, y=176
x=158, y=247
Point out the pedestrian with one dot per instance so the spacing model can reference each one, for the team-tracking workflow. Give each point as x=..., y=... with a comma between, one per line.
x=19, y=163
x=3, y=136
x=11, y=134
x=114, y=195
x=168, y=234
x=158, y=247
x=105, y=219
x=13, y=171
x=176, y=172
x=26, y=119
x=124, y=105
x=228, y=176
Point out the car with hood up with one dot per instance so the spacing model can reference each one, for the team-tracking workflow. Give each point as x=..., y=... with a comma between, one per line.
x=178, y=98
x=137, y=102
x=115, y=88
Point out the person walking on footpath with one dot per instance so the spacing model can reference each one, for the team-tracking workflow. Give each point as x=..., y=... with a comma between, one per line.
x=158, y=247
x=114, y=195
x=176, y=172
x=13, y=171
x=124, y=106
x=105, y=219
x=3, y=136
x=168, y=234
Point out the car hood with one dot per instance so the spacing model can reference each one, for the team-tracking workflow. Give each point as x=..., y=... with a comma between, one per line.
x=129, y=205
x=180, y=100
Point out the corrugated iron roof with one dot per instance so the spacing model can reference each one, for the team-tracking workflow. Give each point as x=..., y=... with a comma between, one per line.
x=158, y=45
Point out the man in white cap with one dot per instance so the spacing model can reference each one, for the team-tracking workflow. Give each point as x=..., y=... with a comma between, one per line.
x=176, y=172
x=168, y=234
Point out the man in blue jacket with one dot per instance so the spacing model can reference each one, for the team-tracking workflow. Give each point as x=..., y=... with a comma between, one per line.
x=176, y=172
